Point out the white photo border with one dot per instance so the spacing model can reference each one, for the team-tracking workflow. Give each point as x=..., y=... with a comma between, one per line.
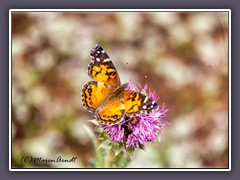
x=120, y=10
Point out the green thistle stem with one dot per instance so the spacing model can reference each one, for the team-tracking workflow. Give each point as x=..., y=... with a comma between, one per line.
x=109, y=154
x=109, y=159
x=98, y=153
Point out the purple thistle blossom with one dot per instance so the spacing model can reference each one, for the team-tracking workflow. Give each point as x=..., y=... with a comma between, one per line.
x=137, y=130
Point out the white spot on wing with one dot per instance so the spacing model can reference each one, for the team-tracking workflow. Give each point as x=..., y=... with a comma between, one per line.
x=145, y=100
x=106, y=60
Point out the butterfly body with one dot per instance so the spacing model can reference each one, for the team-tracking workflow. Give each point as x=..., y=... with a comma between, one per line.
x=106, y=97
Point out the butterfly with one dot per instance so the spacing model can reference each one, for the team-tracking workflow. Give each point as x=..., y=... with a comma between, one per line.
x=106, y=97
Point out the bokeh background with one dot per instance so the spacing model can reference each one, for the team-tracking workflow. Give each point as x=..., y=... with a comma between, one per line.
x=183, y=56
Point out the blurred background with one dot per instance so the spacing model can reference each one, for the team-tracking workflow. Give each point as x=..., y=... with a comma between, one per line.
x=183, y=56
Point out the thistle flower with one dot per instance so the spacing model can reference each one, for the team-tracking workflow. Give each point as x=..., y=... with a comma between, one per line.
x=137, y=130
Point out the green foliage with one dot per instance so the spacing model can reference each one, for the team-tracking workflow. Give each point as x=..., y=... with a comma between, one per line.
x=107, y=153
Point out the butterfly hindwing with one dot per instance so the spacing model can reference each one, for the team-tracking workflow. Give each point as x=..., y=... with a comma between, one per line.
x=111, y=112
x=93, y=94
x=136, y=103
x=101, y=67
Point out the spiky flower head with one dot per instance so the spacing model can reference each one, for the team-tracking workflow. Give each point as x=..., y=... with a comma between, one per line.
x=137, y=130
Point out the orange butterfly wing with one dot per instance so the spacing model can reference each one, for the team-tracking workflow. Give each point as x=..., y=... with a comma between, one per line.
x=93, y=95
x=102, y=69
x=136, y=103
x=111, y=112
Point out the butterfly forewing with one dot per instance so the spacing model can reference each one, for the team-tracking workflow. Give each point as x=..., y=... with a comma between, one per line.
x=101, y=67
